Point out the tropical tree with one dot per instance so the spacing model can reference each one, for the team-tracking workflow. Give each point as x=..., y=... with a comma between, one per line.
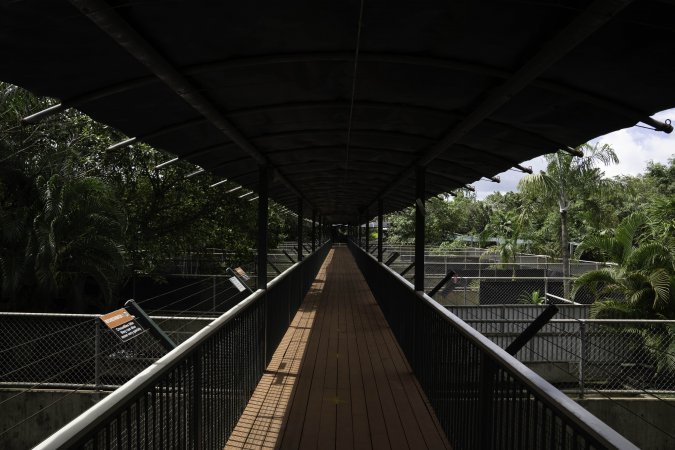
x=61, y=244
x=639, y=283
x=506, y=227
x=76, y=238
x=565, y=177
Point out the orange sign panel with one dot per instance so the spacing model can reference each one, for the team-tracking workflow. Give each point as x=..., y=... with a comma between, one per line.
x=116, y=318
x=122, y=324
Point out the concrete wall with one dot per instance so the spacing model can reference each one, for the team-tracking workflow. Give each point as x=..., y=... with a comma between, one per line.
x=620, y=414
x=36, y=429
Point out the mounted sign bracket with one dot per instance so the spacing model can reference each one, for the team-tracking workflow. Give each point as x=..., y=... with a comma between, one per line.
x=122, y=324
x=150, y=324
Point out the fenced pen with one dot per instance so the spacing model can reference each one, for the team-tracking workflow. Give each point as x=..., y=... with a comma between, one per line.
x=584, y=355
x=66, y=350
x=200, y=281
x=479, y=277
x=60, y=355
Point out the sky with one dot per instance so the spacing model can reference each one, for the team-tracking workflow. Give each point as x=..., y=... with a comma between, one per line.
x=634, y=146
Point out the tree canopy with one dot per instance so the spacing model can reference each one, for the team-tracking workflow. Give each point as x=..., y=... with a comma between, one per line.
x=77, y=219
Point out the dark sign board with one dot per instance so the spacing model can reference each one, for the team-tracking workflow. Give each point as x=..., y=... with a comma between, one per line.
x=238, y=284
x=242, y=273
x=122, y=324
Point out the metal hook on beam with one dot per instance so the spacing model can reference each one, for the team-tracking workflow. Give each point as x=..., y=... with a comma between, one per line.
x=523, y=169
x=665, y=126
x=196, y=172
x=573, y=151
x=122, y=144
x=166, y=163
x=218, y=183
x=38, y=116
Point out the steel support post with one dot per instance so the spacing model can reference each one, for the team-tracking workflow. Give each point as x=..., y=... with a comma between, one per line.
x=313, y=230
x=367, y=232
x=380, y=209
x=420, y=190
x=300, y=256
x=358, y=231
x=263, y=200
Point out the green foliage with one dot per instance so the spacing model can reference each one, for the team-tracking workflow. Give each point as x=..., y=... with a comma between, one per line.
x=534, y=298
x=640, y=282
x=76, y=219
x=445, y=219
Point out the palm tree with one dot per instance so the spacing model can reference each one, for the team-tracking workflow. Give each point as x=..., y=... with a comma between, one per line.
x=75, y=239
x=640, y=283
x=565, y=175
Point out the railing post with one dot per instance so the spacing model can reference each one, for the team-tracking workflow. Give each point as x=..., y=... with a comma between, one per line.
x=263, y=193
x=420, y=191
x=380, y=231
x=300, y=256
x=214, y=293
x=358, y=230
x=582, y=357
x=367, y=216
x=313, y=230
x=97, y=354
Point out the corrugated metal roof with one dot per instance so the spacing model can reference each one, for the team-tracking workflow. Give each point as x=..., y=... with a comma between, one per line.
x=465, y=88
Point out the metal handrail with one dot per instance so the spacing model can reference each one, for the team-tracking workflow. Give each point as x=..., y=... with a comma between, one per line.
x=92, y=316
x=592, y=321
x=104, y=410
x=547, y=392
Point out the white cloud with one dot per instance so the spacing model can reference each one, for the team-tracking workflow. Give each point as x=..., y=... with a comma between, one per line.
x=634, y=146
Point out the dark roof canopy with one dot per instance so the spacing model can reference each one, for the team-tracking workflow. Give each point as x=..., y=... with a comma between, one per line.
x=343, y=99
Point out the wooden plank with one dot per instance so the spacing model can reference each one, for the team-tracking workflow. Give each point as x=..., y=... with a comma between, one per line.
x=377, y=428
x=390, y=414
x=261, y=422
x=354, y=388
x=312, y=369
x=326, y=436
x=426, y=419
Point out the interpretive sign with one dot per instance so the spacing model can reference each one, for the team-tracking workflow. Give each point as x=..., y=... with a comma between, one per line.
x=236, y=283
x=242, y=273
x=122, y=324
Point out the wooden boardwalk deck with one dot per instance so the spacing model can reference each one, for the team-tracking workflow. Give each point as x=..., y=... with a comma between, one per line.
x=338, y=380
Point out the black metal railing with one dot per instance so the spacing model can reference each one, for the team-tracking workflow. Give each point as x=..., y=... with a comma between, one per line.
x=483, y=397
x=193, y=397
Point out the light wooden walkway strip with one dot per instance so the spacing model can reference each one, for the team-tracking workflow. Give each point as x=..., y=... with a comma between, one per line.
x=344, y=385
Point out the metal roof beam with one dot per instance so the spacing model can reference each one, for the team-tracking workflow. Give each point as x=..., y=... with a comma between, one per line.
x=611, y=105
x=107, y=19
x=589, y=21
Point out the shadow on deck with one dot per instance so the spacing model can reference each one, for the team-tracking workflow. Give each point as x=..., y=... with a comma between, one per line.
x=338, y=378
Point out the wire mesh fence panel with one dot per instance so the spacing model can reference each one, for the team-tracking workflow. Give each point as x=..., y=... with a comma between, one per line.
x=78, y=349
x=52, y=349
x=505, y=288
x=481, y=398
x=589, y=355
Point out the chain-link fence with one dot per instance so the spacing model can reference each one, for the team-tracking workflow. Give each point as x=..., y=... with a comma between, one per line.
x=585, y=355
x=63, y=350
x=496, y=290
x=480, y=261
x=179, y=295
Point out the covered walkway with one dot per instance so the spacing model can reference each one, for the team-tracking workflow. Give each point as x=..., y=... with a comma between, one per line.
x=338, y=379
